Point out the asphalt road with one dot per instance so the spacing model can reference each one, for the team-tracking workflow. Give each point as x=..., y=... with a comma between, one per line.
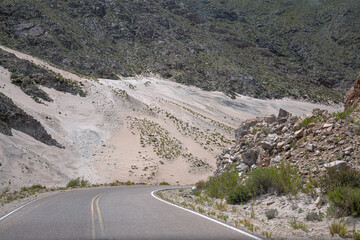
x=110, y=213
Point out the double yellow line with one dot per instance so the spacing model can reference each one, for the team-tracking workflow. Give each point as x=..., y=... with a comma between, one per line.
x=95, y=203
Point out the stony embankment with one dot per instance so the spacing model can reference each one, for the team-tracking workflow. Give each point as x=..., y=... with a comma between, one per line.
x=311, y=142
x=323, y=147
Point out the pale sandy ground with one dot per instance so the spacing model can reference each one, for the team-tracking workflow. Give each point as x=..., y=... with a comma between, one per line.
x=101, y=147
x=278, y=227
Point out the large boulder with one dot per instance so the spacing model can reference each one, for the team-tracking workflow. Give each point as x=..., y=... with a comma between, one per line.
x=352, y=97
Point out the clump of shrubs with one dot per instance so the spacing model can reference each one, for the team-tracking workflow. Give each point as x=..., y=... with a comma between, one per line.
x=271, y=213
x=220, y=186
x=281, y=180
x=314, y=216
x=164, y=183
x=77, y=183
x=342, y=187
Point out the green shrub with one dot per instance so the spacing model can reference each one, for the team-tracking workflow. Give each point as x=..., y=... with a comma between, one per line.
x=129, y=183
x=77, y=182
x=306, y=121
x=347, y=199
x=164, y=183
x=314, y=216
x=346, y=177
x=271, y=213
x=338, y=227
x=295, y=224
x=220, y=206
x=343, y=190
x=344, y=114
x=220, y=186
x=37, y=186
x=282, y=180
x=239, y=195
x=200, y=184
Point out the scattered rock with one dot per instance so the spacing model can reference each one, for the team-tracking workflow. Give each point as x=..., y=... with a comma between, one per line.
x=250, y=157
x=283, y=114
x=299, y=133
x=352, y=97
x=336, y=164
x=309, y=147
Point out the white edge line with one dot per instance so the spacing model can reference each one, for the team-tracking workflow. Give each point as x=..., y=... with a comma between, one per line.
x=17, y=209
x=206, y=217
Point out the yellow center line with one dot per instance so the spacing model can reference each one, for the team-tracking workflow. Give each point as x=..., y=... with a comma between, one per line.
x=100, y=217
x=93, y=233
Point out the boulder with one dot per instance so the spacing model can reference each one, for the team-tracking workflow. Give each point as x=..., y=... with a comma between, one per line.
x=266, y=145
x=352, y=97
x=271, y=119
x=283, y=114
x=299, y=134
x=336, y=164
x=250, y=157
x=276, y=159
x=310, y=147
x=241, y=167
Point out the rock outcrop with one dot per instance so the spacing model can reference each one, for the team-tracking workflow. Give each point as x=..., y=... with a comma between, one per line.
x=12, y=116
x=313, y=142
x=352, y=97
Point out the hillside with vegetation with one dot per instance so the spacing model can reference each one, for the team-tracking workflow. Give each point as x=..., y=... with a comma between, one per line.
x=266, y=49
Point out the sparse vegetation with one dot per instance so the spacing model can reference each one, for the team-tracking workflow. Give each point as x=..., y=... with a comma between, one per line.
x=342, y=187
x=164, y=183
x=220, y=186
x=221, y=206
x=271, y=213
x=314, y=216
x=295, y=224
x=338, y=227
x=77, y=183
x=282, y=180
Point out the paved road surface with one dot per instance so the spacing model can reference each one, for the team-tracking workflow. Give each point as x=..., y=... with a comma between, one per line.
x=109, y=213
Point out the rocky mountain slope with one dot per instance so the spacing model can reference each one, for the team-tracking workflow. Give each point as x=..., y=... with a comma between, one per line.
x=301, y=49
x=56, y=126
x=312, y=142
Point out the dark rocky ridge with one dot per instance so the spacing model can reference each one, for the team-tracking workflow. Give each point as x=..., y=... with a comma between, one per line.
x=12, y=116
x=28, y=76
x=258, y=48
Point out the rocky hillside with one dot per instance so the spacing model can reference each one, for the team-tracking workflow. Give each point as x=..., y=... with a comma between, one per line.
x=314, y=142
x=258, y=48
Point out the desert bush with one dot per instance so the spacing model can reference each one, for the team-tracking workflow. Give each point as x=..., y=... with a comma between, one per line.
x=348, y=177
x=73, y=183
x=338, y=227
x=239, y=195
x=314, y=216
x=344, y=114
x=164, y=183
x=129, y=183
x=200, y=184
x=347, y=199
x=271, y=213
x=221, y=206
x=282, y=180
x=295, y=224
x=220, y=186
x=306, y=121
x=342, y=187
x=36, y=187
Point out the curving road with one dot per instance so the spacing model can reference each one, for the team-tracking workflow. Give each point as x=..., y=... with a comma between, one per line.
x=110, y=213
